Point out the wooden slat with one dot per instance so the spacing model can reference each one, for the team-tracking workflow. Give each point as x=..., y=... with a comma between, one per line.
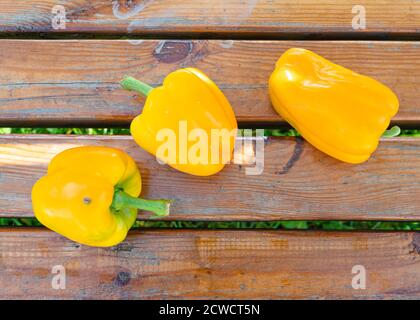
x=212, y=265
x=298, y=182
x=244, y=17
x=75, y=83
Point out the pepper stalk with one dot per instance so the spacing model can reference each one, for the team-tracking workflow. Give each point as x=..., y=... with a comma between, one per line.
x=395, y=131
x=123, y=200
x=132, y=84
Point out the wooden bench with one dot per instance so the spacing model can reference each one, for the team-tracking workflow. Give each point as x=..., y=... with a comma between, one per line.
x=69, y=77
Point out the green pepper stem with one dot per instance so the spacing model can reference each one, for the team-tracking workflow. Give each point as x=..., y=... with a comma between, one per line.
x=393, y=132
x=122, y=200
x=132, y=84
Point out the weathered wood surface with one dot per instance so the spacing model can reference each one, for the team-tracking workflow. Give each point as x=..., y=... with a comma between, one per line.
x=75, y=83
x=298, y=181
x=243, y=17
x=170, y=264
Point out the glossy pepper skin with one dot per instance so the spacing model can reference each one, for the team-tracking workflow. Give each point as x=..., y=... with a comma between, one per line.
x=89, y=195
x=187, y=95
x=340, y=112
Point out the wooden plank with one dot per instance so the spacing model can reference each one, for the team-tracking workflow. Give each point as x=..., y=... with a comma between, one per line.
x=74, y=83
x=243, y=17
x=191, y=264
x=298, y=182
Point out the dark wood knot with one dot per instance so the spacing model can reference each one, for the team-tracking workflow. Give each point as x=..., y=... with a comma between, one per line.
x=172, y=51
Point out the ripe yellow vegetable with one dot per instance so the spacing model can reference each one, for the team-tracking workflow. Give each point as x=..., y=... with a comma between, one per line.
x=187, y=97
x=90, y=195
x=340, y=112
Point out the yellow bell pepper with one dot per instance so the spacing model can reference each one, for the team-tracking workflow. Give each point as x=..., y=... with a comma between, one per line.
x=89, y=195
x=340, y=112
x=188, y=100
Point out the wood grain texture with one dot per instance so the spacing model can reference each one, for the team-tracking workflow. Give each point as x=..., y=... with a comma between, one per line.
x=298, y=181
x=191, y=264
x=306, y=17
x=74, y=83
